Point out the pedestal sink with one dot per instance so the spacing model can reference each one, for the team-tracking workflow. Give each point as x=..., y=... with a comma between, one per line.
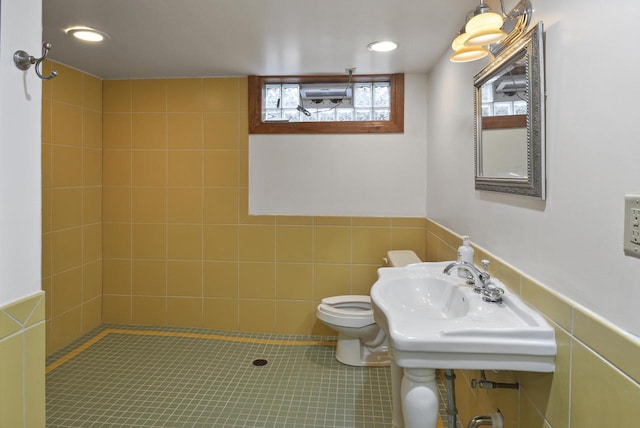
x=436, y=321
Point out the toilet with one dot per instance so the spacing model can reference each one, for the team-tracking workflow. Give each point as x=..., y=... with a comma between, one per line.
x=360, y=341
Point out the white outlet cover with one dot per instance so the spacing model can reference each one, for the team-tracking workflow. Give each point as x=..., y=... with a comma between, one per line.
x=632, y=225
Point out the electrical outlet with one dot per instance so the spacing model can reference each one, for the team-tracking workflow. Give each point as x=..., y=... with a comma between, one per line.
x=632, y=225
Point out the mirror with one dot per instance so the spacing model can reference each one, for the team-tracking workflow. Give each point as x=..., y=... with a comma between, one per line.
x=509, y=119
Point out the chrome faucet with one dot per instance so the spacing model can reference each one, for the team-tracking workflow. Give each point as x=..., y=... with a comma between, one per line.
x=480, y=280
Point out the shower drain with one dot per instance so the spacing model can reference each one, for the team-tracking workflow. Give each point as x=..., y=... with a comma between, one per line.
x=260, y=362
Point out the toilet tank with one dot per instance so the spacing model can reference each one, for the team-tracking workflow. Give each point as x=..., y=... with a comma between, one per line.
x=400, y=258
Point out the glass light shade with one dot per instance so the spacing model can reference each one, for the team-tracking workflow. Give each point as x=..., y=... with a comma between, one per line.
x=484, y=21
x=485, y=37
x=459, y=42
x=468, y=53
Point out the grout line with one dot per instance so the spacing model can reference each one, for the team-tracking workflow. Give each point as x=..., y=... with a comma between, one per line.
x=572, y=342
x=166, y=203
x=82, y=225
x=238, y=206
x=202, y=200
x=25, y=399
x=131, y=231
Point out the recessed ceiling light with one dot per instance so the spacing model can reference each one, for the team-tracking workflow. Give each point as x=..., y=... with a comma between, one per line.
x=87, y=34
x=384, y=46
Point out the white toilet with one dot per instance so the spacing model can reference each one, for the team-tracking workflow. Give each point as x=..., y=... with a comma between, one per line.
x=360, y=341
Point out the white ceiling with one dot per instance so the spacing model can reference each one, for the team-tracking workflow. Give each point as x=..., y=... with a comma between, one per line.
x=189, y=38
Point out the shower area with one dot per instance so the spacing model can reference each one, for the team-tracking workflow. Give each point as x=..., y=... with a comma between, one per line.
x=147, y=237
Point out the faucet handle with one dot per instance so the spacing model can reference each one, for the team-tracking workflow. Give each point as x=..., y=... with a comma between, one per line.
x=484, y=276
x=492, y=295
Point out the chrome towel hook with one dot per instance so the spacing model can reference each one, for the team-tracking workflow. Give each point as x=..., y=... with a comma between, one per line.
x=23, y=61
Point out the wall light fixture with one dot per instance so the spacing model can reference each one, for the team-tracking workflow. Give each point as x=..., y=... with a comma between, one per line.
x=463, y=53
x=486, y=31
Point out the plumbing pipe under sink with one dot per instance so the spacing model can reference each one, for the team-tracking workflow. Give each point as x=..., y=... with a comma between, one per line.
x=493, y=420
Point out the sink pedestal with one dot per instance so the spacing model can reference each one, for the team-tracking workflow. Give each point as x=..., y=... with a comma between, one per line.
x=419, y=394
x=414, y=397
x=397, y=420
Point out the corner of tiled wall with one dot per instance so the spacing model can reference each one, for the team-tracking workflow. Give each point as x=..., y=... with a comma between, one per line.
x=71, y=203
x=180, y=247
x=597, y=379
x=22, y=362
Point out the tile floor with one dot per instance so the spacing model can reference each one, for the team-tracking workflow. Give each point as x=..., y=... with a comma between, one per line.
x=132, y=376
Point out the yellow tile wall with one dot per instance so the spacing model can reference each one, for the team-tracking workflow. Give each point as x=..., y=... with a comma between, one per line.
x=597, y=377
x=22, y=362
x=179, y=246
x=71, y=204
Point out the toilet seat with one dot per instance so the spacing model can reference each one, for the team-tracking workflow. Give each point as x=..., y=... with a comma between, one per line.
x=348, y=311
x=361, y=342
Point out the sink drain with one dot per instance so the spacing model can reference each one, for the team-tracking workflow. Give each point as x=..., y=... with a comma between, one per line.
x=259, y=362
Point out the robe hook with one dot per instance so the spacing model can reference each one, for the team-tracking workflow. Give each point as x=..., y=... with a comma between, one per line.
x=24, y=61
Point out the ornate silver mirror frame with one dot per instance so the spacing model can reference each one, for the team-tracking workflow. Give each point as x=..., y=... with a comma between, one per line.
x=526, y=56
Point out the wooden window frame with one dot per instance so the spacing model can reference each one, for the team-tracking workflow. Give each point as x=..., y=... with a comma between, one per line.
x=504, y=122
x=394, y=125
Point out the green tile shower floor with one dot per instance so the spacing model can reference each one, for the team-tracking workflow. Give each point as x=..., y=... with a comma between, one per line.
x=184, y=378
x=125, y=376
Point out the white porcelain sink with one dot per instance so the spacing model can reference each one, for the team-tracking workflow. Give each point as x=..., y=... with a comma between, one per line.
x=435, y=299
x=436, y=321
x=433, y=320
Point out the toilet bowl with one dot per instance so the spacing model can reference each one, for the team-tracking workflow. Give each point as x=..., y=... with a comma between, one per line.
x=360, y=341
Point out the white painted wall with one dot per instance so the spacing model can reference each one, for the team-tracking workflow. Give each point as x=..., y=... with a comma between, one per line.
x=344, y=175
x=573, y=241
x=20, y=105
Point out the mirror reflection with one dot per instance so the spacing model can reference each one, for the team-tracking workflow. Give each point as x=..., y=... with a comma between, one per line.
x=504, y=122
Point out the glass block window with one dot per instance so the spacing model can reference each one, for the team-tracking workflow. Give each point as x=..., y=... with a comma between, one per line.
x=326, y=104
x=502, y=103
x=371, y=102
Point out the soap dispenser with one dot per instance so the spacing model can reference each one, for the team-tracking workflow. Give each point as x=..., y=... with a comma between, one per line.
x=465, y=254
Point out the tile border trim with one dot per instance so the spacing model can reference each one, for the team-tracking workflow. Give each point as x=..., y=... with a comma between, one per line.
x=208, y=336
